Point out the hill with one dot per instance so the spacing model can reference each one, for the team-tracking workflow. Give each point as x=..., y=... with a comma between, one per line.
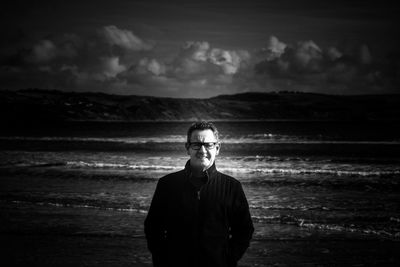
x=36, y=105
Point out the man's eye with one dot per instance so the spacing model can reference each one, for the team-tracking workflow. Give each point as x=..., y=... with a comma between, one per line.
x=199, y=145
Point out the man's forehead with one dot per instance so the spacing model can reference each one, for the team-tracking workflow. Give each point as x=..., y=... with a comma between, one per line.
x=203, y=135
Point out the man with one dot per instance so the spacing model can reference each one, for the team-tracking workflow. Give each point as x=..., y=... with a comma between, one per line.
x=198, y=217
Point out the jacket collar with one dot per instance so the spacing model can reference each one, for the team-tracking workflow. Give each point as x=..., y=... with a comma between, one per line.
x=210, y=172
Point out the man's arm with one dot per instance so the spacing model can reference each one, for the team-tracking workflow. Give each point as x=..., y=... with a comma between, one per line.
x=154, y=225
x=241, y=226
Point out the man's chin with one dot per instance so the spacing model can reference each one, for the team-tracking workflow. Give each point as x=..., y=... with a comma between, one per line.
x=202, y=163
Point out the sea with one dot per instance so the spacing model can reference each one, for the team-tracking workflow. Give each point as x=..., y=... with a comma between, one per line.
x=304, y=180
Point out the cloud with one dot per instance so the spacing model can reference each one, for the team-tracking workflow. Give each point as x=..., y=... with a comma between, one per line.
x=43, y=51
x=303, y=58
x=192, y=62
x=333, y=53
x=106, y=71
x=228, y=60
x=72, y=62
x=274, y=48
x=196, y=50
x=116, y=61
x=290, y=60
x=124, y=38
x=365, y=55
x=306, y=56
x=199, y=57
x=151, y=66
x=197, y=70
x=111, y=66
x=46, y=50
x=306, y=66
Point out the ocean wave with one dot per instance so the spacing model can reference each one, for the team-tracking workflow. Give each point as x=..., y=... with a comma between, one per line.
x=358, y=184
x=387, y=230
x=34, y=164
x=306, y=207
x=104, y=165
x=389, y=233
x=272, y=166
x=127, y=140
x=85, y=206
x=394, y=219
x=301, y=171
x=242, y=170
x=351, y=229
x=246, y=139
x=290, y=207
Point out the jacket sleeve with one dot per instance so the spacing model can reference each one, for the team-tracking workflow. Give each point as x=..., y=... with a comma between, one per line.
x=154, y=225
x=241, y=226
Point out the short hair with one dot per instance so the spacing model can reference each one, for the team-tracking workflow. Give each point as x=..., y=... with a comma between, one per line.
x=202, y=125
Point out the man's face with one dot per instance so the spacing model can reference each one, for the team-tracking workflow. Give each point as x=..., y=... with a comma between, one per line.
x=202, y=158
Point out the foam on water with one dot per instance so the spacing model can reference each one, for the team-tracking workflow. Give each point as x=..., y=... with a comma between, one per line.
x=283, y=219
x=55, y=204
x=308, y=179
x=242, y=166
x=245, y=169
x=393, y=233
x=268, y=170
x=246, y=139
x=105, y=165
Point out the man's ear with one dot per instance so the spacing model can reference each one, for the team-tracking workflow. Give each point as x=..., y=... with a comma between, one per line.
x=218, y=147
x=187, y=148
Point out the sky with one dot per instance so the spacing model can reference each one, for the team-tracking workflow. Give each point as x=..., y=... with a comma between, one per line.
x=200, y=49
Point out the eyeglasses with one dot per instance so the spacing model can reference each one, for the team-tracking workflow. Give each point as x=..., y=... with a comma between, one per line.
x=198, y=145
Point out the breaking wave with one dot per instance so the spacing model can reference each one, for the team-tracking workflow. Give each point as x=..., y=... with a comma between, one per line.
x=103, y=165
x=245, y=139
x=142, y=210
x=387, y=233
x=264, y=167
x=310, y=171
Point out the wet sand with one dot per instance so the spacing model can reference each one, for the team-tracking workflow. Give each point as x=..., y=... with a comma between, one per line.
x=49, y=235
x=58, y=249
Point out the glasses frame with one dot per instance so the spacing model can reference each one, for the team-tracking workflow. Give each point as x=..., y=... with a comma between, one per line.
x=205, y=144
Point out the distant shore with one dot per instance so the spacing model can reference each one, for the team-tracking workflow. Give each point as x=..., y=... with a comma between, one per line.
x=54, y=106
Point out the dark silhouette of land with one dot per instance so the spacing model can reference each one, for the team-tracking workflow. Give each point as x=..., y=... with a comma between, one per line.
x=35, y=106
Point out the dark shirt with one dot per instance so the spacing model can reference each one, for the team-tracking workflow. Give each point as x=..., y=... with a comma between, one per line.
x=193, y=225
x=198, y=181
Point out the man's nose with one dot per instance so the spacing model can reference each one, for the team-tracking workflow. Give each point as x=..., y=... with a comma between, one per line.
x=203, y=149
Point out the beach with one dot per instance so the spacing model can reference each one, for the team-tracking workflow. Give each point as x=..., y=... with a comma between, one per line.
x=79, y=195
x=48, y=248
x=52, y=245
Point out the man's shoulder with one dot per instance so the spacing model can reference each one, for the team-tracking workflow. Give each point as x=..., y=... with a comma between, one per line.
x=173, y=177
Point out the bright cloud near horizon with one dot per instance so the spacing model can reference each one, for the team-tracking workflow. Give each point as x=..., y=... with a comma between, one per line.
x=200, y=49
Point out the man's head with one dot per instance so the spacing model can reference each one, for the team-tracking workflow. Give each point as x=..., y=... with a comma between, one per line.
x=202, y=145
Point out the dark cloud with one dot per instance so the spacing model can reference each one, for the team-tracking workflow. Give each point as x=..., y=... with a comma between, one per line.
x=115, y=59
x=124, y=39
x=306, y=66
x=197, y=70
x=71, y=62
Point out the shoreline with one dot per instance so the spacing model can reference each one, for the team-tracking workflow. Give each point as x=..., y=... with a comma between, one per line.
x=239, y=120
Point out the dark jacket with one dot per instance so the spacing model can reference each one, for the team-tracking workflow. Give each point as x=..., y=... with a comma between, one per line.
x=185, y=227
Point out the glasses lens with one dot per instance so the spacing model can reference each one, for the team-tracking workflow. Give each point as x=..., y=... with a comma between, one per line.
x=209, y=145
x=197, y=146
